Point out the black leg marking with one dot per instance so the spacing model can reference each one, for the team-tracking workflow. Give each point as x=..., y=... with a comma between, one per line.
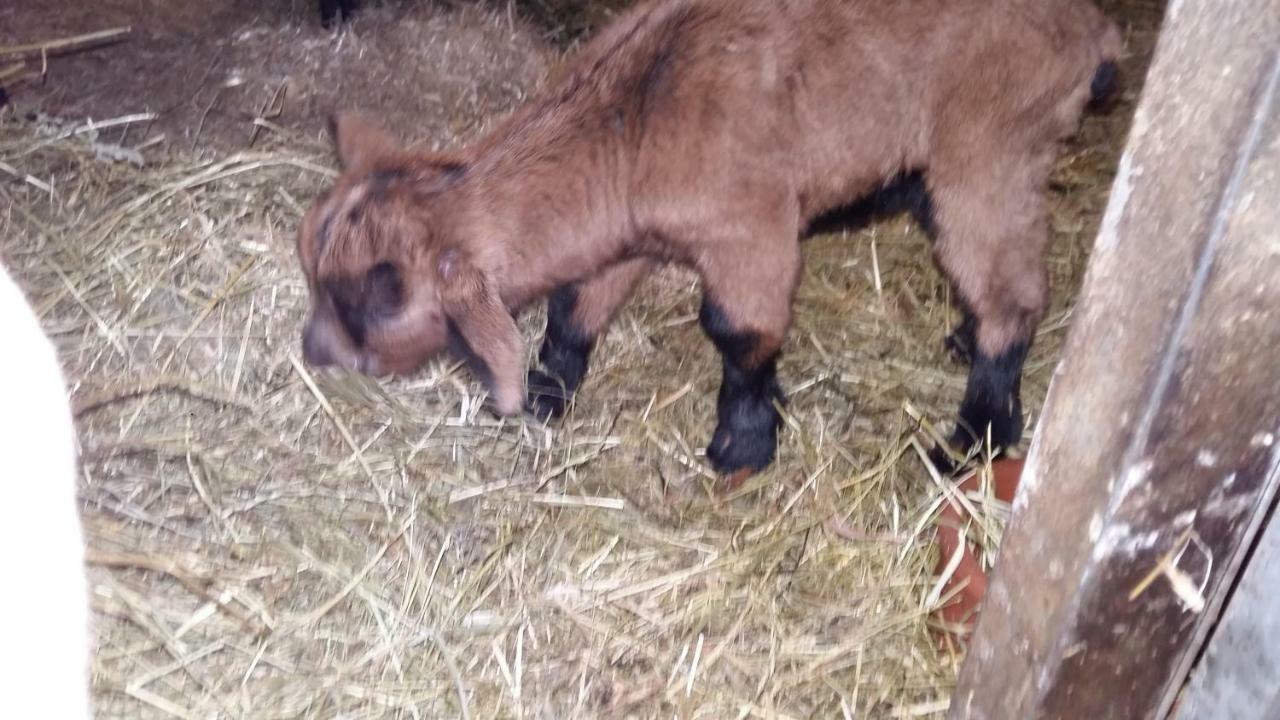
x=746, y=435
x=565, y=353
x=962, y=342
x=992, y=399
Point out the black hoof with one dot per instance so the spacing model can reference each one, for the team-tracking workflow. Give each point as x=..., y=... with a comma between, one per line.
x=945, y=463
x=969, y=451
x=547, y=397
x=748, y=441
x=941, y=461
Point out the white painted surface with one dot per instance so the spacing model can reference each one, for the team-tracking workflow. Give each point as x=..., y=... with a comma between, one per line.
x=44, y=631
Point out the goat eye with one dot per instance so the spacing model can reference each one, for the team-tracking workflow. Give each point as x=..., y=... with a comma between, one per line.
x=385, y=290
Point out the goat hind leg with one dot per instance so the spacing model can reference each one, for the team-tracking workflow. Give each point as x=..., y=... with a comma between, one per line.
x=993, y=253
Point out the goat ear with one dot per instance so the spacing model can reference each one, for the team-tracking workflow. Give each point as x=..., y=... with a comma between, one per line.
x=487, y=328
x=360, y=142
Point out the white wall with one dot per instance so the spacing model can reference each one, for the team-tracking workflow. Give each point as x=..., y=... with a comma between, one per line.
x=44, y=638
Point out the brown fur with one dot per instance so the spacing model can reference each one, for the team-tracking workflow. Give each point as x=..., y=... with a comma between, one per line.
x=710, y=133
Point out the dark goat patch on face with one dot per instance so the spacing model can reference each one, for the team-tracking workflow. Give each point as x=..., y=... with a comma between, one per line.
x=361, y=303
x=380, y=182
x=385, y=290
x=348, y=302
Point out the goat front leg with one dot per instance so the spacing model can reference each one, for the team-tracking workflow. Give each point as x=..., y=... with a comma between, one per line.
x=577, y=315
x=746, y=312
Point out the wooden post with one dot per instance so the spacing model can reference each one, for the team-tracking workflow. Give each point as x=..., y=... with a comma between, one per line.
x=1156, y=456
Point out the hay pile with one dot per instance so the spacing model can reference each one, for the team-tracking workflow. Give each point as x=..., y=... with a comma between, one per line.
x=270, y=542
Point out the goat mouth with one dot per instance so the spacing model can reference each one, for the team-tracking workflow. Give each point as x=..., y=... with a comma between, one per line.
x=374, y=366
x=369, y=364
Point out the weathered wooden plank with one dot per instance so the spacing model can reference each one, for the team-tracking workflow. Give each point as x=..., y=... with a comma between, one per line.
x=1158, y=443
x=1239, y=677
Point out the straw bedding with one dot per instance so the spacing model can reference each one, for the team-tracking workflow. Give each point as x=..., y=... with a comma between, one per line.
x=267, y=541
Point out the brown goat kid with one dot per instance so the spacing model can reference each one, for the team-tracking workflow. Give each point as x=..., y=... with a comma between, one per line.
x=712, y=133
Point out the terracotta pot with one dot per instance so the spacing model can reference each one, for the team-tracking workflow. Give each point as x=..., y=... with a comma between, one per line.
x=960, y=614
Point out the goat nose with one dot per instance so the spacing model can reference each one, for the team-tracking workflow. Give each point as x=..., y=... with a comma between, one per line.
x=314, y=350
